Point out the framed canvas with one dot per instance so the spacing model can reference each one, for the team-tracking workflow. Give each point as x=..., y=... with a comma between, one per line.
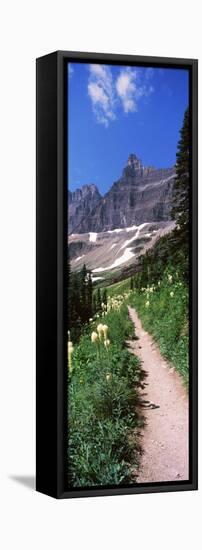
x=116, y=374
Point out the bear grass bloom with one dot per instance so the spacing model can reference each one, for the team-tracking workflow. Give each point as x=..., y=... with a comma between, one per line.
x=100, y=331
x=105, y=330
x=70, y=350
x=107, y=343
x=147, y=303
x=171, y=294
x=94, y=337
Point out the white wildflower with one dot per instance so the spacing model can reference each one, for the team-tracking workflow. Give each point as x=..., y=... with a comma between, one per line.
x=105, y=330
x=100, y=331
x=94, y=337
x=107, y=343
x=70, y=350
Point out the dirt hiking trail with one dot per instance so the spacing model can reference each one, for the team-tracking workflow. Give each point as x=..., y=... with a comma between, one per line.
x=164, y=439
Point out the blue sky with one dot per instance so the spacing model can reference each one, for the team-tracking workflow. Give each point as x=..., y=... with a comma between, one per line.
x=116, y=110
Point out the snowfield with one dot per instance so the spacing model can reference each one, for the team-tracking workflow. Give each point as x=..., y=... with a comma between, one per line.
x=79, y=258
x=112, y=249
x=92, y=237
x=126, y=256
x=94, y=279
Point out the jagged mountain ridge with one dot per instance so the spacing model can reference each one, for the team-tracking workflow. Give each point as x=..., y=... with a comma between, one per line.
x=142, y=194
x=80, y=204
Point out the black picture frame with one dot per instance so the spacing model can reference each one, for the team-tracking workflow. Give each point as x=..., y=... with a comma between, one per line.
x=51, y=318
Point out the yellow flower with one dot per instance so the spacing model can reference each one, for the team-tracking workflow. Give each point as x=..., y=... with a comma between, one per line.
x=94, y=337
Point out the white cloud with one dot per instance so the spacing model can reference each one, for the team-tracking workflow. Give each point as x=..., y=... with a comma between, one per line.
x=108, y=92
x=101, y=92
x=126, y=89
x=131, y=88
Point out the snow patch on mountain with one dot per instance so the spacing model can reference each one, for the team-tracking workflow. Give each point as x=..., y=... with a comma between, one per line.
x=115, y=230
x=79, y=258
x=126, y=256
x=92, y=237
x=138, y=228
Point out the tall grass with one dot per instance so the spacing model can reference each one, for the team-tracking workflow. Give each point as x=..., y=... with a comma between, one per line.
x=118, y=288
x=163, y=309
x=102, y=407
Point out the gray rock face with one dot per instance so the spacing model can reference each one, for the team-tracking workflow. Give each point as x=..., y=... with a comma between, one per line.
x=142, y=194
x=80, y=205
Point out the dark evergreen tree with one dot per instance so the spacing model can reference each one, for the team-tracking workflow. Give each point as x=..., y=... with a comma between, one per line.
x=94, y=303
x=89, y=296
x=83, y=294
x=68, y=285
x=131, y=283
x=181, y=190
x=99, y=301
x=80, y=300
x=104, y=296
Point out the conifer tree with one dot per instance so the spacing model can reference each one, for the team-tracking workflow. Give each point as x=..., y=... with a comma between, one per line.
x=94, y=303
x=89, y=296
x=104, y=296
x=180, y=210
x=99, y=301
x=69, y=294
x=83, y=294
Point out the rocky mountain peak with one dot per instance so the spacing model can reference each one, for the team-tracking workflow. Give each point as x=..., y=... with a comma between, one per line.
x=141, y=195
x=134, y=166
x=80, y=204
x=87, y=190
